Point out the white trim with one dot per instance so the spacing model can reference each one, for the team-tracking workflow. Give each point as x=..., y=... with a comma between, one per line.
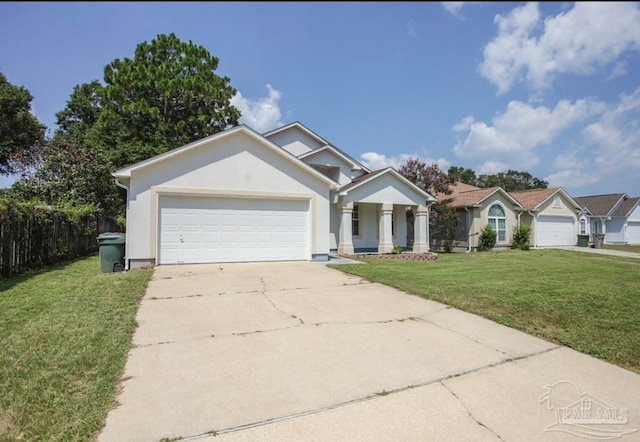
x=354, y=164
x=126, y=172
x=505, y=217
x=505, y=193
x=394, y=173
x=300, y=126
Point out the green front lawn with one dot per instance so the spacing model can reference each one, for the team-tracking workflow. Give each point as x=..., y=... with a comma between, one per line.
x=585, y=301
x=623, y=248
x=64, y=337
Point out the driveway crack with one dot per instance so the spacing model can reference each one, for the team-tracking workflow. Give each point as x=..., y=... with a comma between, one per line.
x=263, y=291
x=469, y=411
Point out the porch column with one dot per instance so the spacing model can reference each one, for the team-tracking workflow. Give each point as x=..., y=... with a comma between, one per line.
x=345, y=241
x=421, y=230
x=385, y=242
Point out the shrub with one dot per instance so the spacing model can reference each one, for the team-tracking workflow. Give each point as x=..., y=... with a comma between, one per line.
x=521, y=235
x=488, y=237
x=396, y=249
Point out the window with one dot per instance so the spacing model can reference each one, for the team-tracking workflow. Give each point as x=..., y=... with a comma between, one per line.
x=583, y=227
x=498, y=221
x=355, y=221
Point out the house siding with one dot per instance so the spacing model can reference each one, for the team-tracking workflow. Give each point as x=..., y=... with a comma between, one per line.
x=295, y=141
x=235, y=165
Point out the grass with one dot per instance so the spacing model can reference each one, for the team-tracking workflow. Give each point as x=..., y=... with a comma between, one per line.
x=585, y=301
x=64, y=335
x=621, y=247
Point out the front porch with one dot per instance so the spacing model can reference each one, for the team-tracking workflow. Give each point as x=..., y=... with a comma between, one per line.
x=378, y=227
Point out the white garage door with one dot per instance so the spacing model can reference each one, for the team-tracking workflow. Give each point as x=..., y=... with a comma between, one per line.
x=556, y=231
x=633, y=232
x=206, y=230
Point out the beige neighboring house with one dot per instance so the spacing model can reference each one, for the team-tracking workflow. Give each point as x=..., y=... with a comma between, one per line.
x=478, y=207
x=288, y=194
x=552, y=215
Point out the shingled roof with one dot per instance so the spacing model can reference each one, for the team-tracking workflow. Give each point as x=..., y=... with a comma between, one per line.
x=530, y=199
x=599, y=205
x=466, y=195
x=626, y=207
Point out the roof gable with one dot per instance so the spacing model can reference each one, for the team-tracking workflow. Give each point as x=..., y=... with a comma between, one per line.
x=600, y=205
x=241, y=129
x=299, y=126
x=532, y=199
x=626, y=207
x=372, y=176
x=355, y=165
x=466, y=195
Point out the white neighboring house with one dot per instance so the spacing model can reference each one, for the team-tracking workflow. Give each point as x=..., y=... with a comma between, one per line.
x=288, y=194
x=552, y=215
x=616, y=215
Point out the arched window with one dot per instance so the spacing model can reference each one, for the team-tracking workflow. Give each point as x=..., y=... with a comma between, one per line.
x=498, y=221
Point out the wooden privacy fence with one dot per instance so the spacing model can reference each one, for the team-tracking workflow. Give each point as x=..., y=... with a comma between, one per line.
x=35, y=237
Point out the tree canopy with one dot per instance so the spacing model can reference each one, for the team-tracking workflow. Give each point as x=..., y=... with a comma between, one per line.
x=166, y=96
x=20, y=130
x=511, y=180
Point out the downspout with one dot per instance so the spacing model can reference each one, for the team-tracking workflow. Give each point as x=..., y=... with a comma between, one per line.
x=468, y=229
x=126, y=243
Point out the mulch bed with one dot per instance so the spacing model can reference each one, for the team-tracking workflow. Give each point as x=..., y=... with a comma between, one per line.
x=402, y=256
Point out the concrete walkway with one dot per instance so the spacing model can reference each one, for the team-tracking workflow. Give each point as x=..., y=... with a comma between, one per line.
x=302, y=352
x=601, y=251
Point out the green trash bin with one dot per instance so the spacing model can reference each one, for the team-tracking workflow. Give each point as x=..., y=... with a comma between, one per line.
x=583, y=240
x=111, y=252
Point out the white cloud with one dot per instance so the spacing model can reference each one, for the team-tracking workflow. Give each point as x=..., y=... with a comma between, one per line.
x=465, y=124
x=262, y=114
x=375, y=161
x=581, y=40
x=611, y=148
x=513, y=136
x=455, y=8
x=492, y=167
x=619, y=70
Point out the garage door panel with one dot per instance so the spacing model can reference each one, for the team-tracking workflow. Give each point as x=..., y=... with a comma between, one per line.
x=633, y=232
x=194, y=230
x=555, y=231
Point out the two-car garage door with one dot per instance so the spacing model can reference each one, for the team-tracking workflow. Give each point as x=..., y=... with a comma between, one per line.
x=208, y=230
x=555, y=231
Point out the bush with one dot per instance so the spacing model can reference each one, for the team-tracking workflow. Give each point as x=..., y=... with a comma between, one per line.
x=521, y=235
x=488, y=237
x=396, y=249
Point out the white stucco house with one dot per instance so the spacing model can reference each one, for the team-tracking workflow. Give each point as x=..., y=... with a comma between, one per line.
x=288, y=194
x=615, y=215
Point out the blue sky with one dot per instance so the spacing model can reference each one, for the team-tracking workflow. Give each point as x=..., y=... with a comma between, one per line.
x=552, y=88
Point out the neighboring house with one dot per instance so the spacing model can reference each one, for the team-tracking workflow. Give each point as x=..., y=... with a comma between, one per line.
x=616, y=215
x=552, y=215
x=478, y=207
x=284, y=195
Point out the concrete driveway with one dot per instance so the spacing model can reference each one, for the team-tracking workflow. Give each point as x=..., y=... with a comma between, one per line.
x=299, y=351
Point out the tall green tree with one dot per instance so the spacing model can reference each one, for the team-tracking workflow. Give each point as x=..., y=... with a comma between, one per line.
x=69, y=173
x=462, y=175
x=167, y=95
x=512, y=180
x=20, y=130
x=81, y=113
